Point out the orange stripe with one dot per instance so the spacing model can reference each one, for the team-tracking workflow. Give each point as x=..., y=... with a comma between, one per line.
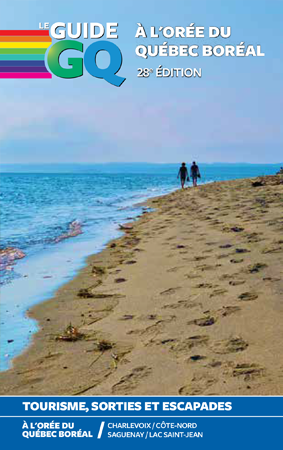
x=25, y=39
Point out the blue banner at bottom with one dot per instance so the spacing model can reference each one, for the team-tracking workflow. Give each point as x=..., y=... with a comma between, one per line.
x=195, y=422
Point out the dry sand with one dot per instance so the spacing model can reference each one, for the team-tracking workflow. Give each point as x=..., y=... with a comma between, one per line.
x=188, y=302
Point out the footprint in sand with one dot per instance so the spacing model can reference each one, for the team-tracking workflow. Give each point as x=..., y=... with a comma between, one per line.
x=232, y=345
x=236, y=261
x=225, y=276
x=157, y=327
x=223, y=255
x=205, y=285
x=31, y=381
x=198, y=385
x=148, y=317
x=194, y=341
x=248, y=296
x=253, y=238
x=228, y=310
x=131, y=381
x=205, y=321
x=163, y=342
x=120, y=280
x=272, y=250
x=188, y=304
x=255, y=268
x=195, y=358
x=272, y=280
x=182, y=348
x=237, y=229
x=175, y=269
x=166, y=341
x=218, y=292
x=191, y=276
x=214, y=364
x=169, y=291
x=199, y=258
x=248, y=371
x=236, y=282
x=205, y=267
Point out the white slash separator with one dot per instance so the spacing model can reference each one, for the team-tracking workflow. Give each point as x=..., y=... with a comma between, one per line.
x=100, y=430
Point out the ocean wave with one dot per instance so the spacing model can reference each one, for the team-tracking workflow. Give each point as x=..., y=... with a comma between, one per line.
x=74, y=229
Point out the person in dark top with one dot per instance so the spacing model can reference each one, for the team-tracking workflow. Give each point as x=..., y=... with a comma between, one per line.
x=195, y=173
x=183, y=174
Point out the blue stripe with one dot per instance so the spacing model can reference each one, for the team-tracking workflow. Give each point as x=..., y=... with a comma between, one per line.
x=22, y=63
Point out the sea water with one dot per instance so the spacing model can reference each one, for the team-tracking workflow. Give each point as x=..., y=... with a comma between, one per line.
x=38, y=204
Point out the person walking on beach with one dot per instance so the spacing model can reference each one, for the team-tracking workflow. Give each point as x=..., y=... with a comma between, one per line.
x=195, y=173
x=183, y=174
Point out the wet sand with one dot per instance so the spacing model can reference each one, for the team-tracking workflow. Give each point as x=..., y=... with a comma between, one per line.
x=189, y=301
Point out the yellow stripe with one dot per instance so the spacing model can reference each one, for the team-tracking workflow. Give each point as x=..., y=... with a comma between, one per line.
x=25, y=44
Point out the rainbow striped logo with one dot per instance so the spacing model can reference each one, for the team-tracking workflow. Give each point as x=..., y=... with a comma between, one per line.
x=22, y=53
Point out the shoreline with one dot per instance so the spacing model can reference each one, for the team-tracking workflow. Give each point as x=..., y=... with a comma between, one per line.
x=47, y=278
x=149, y=305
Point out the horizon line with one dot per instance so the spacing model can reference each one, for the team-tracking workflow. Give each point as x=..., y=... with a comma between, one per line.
x=131, y=162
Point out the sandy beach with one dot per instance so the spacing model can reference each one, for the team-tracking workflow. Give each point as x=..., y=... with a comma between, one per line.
x=189, y=301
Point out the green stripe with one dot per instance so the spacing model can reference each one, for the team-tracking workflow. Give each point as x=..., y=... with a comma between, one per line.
x=22, y=57
x=22, y=51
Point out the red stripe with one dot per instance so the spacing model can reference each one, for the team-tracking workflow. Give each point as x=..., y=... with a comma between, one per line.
x=24, y=32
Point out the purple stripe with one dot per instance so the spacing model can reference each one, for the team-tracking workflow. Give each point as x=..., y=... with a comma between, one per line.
x=23, y=69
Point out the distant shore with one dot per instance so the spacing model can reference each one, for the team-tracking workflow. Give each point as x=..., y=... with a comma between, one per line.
x=188, y=301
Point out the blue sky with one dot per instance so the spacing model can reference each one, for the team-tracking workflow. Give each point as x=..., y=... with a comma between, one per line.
x=232, y=114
